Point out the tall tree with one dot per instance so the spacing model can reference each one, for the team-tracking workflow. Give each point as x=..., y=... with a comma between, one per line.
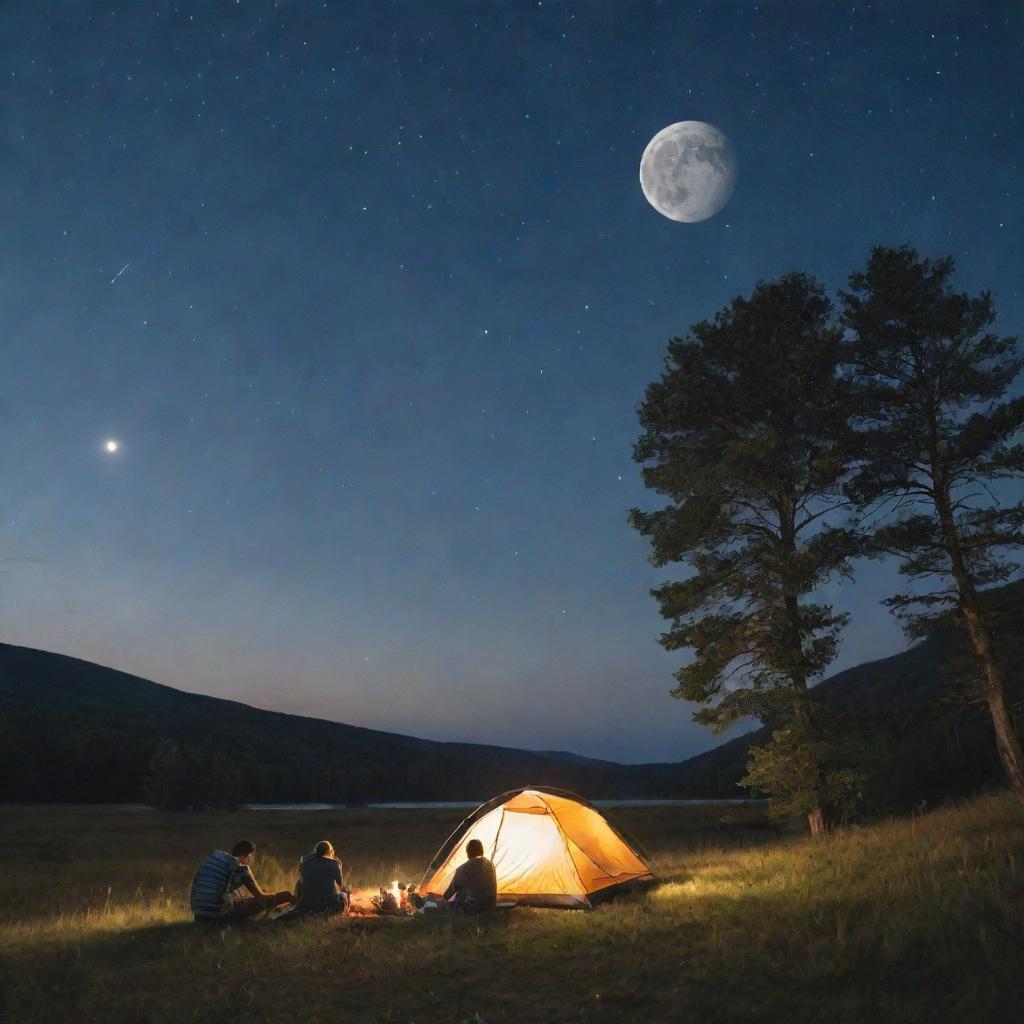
x=745, y=433
x=937, y=429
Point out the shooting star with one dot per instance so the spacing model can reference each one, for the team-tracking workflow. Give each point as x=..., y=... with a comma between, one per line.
x=121, y=271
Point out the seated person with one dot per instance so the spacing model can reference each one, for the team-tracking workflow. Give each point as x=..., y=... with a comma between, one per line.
x=321, y=887
x=474, y=887
x=224, y=887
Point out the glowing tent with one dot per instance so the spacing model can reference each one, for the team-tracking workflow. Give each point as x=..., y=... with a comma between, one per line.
x=549, y=848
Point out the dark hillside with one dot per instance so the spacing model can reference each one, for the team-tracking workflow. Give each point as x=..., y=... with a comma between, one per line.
x=925, y=734
x=74, y=731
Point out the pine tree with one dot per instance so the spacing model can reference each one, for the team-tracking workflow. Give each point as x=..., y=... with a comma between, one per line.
x=937, y=428
x=745, y=433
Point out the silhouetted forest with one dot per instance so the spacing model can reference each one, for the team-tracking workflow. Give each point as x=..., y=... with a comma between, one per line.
x=917, y=718
x=71, y=731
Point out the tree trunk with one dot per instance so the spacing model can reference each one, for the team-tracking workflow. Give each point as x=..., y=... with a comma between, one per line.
x=816, y=820
x=801, y=703
x=1007, y=742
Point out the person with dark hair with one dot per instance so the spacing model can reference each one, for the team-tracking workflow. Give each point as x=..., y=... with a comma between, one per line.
x=321, y=886
x=474, y=887
x=225, y=888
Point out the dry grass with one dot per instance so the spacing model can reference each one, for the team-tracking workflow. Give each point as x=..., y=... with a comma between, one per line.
x=910, y=920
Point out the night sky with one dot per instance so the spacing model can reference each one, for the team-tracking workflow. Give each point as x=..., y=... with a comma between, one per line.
x=392, y=296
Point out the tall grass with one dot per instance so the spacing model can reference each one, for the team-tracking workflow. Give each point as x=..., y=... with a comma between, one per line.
x=919, y=919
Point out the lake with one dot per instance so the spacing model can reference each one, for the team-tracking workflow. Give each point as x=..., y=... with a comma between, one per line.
x=471, y=804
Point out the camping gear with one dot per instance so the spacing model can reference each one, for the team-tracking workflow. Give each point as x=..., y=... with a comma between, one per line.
x=550, y=848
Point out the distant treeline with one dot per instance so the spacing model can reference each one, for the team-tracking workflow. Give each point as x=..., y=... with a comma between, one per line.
x=75, y=732
x=914, y=719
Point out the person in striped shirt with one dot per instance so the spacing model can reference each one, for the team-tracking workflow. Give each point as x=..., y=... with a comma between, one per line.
x=225, y=888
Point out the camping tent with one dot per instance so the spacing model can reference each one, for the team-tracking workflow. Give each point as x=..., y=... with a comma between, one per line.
x=549, y=848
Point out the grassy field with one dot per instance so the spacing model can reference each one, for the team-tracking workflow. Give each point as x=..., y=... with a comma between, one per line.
x=919, y=919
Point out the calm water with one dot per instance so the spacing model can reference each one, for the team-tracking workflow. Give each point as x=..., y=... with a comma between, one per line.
x=470, y=805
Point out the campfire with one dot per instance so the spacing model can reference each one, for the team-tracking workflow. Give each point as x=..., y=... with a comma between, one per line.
x=399, y=899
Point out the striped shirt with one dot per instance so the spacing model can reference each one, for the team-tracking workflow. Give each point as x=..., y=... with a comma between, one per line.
x=217, y=878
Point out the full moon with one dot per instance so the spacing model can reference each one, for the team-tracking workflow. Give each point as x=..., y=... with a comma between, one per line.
x=111, y=446
x=688, y=171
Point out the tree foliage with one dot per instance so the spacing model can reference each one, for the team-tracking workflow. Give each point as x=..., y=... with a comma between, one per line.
x=197, y=777
x=938, y=428
x=746, y=435
x=801, y=770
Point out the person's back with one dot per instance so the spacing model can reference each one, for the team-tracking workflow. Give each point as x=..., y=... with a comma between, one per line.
x=218, y=876
x=217, y=889
x=474, y=887
x=320, y=882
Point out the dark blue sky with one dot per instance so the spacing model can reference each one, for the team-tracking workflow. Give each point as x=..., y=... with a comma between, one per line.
x=393, y=297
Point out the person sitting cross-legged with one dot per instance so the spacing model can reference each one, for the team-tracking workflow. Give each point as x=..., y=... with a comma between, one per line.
x=225, y=888
x=321, y=887
x=474, y=888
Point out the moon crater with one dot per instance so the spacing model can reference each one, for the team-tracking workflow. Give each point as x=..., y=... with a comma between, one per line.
x=688, y=171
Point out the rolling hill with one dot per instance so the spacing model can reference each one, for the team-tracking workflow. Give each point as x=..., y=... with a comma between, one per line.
x=72, y=731
x=924, y=733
